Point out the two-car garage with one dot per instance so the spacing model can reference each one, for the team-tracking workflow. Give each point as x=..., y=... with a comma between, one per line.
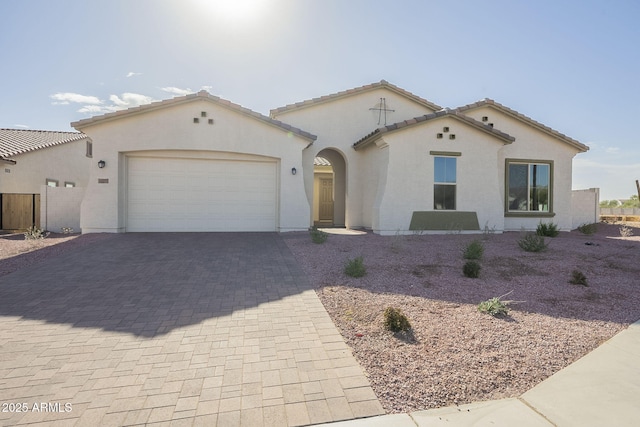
x=194, y=163
x=195, y=194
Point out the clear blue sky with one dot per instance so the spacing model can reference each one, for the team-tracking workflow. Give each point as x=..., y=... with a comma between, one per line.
x=572, y=65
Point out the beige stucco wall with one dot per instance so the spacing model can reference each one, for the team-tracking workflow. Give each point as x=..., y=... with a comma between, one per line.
x=339, y=123
x=64, y=163
x=171, y=130
x=60, y=207
x=534, y=144
x=409, y=182
x=585, y=206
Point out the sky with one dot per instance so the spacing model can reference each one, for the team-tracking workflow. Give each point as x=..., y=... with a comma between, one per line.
x=572, y=65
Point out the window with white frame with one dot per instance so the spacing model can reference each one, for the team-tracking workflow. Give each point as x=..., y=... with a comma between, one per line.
x=444, y=187
x=52, y=182
x=529, y=186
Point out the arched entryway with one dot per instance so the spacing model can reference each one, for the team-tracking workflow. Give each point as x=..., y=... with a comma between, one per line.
x=329, y=189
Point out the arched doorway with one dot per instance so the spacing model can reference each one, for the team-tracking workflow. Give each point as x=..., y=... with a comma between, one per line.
x=329, y=189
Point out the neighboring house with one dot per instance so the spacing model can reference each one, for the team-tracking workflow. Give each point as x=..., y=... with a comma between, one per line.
x=30, y=159
x=374, y=157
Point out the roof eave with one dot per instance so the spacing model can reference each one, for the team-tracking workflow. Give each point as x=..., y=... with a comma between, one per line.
x=81, y=124
x=350, y=92
x=525, y=119
x=375, y=135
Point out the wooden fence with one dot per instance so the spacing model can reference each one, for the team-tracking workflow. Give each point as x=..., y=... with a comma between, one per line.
x=19, y=211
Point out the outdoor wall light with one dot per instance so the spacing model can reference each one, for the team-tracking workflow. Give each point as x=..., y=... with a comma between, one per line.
x=102, y=164
x=294, y=171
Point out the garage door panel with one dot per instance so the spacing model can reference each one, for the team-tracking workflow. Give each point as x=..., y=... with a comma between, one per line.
x=201, y=195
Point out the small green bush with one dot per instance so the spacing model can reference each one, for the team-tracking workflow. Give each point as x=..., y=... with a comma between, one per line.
x=547, y=229
x=532, y=242
x=318, y=236
x=474, y=250
x=355, y=267
x=494, y=306
x=395, y=320
x=588, y=229
x=34, y=233
x=578, y=278
x=471, y=269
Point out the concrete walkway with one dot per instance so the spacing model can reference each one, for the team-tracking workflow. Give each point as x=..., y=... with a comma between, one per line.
x=600, y=389
x=170, y=330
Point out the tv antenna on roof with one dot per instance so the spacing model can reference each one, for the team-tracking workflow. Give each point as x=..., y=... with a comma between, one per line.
x=382, y=110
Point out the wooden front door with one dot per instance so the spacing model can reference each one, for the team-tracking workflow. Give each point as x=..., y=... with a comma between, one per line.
x=326, y=199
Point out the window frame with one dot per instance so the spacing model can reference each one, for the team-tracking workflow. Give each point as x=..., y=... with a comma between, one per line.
x=454, y=184
x=49, y=181
x=528, y=213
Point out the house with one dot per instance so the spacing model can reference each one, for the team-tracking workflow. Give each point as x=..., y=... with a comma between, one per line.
x=31, y=159
x=376, y=157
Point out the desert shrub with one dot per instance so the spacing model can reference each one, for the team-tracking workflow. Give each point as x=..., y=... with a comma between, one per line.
x=355, y=267
x=395, y=320
x=625, y=231
x=494, y=306
x=532, y=242
x=471, y=269
x=318, y=236
x=34, y=233
x=474, y=250
x=578, y=278
x=547, y=229
x=588, y=229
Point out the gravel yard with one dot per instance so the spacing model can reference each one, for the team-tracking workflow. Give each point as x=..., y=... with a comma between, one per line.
x=454, y=354
x=17, y=253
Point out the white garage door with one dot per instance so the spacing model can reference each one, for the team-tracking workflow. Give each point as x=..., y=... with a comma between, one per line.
x=166, y=194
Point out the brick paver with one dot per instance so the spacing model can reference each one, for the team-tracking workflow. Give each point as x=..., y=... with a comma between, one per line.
x=173, y=329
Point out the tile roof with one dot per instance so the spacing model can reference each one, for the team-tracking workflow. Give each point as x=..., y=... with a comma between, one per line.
x=203, y=94
x=19, y=141
x=338, y=95
x=528, y=120
x=373, y=136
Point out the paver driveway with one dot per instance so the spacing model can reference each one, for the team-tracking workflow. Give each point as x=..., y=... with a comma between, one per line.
x=173, y=329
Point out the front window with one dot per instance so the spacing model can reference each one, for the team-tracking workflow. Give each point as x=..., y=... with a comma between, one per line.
x=529, y=187
x=444, y=188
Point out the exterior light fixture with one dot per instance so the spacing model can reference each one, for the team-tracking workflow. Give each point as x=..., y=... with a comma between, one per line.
x=102, y=164
x=294, y=171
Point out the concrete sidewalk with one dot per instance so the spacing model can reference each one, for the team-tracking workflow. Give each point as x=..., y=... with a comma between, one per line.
x=600, y=389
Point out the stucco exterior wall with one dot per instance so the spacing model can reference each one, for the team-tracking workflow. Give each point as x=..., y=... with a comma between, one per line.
x=172, y=129
x=534, y=144
x=410, y=175
x=60, y=207
x=63, y=163
x=339, y=124
x=585, y=206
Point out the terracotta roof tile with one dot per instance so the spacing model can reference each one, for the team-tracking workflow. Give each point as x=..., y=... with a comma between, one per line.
x=525, y=119
x=19, y=141
x=373, y=136
x=188, y=98
x=349, y=92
